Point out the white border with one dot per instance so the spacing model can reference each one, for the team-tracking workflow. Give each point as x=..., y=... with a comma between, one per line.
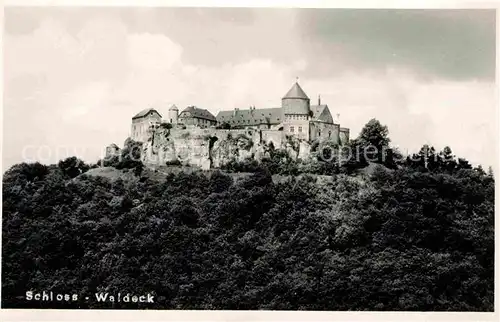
x=355, y=4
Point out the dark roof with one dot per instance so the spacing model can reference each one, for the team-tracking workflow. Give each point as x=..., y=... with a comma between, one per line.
x=322, y=113
x=296, y=92
x=317, y=110
x=145, y=112
x=199, y=113
x=251, y=116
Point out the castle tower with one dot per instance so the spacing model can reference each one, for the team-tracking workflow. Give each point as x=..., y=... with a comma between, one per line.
x=295, y=102
x=173, y=114
x=296, y=110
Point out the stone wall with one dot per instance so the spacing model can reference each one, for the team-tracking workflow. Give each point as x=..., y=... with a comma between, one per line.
x=140, y=126
x=213, y=148
x=344, y=135
x=276, y=137
x=325, y=131
x=204, y=148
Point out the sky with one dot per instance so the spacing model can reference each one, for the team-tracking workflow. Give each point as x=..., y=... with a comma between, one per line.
x=74, y=77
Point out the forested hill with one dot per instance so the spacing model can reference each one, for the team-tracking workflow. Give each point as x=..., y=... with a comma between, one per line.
x=407, y=238
x=399, y=240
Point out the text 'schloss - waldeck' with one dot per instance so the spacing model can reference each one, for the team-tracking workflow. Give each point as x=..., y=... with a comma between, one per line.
x=99, y=297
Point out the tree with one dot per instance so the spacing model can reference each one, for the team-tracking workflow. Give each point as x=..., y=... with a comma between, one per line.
x=490, y=172
x=302, y=242
x=373, y=139
x=447, y=158
x=220, y=182
x=426, y=158
x=463, y=164
x=479, y=169
x=353, y=156
x=73, y=166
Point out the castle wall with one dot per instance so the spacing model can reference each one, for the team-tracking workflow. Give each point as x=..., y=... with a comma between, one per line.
x=212, y=148
x=201, y=144
x=190, y=147
x=325, y=131
x=300, y=128
x=344, y=135
x=276, y=137
x=140, y=126
x=200, y=147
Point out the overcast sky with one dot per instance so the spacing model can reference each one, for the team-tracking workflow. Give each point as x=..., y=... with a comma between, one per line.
x=74, y=77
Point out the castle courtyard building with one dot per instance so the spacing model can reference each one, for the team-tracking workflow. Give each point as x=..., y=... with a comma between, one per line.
x=265, y=118
x=296, y=117
x=142, y=122
x=193, y=115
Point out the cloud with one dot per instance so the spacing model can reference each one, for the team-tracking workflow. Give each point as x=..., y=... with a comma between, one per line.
x=148, y=52
x=77, y=88
x=453, y=44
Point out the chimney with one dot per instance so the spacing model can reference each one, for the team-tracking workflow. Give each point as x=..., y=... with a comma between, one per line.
x=235, y=110
x=319, y=99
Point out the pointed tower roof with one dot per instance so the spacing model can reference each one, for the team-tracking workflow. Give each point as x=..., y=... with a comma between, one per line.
x=296, y=92
x=173, y=108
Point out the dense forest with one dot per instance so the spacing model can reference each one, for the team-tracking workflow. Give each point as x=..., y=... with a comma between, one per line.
x=413, y=233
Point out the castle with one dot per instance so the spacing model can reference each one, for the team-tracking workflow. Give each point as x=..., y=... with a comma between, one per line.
x=295, y=117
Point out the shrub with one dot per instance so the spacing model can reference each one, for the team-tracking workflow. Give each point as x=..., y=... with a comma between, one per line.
x=224, y=126
x=173, y=163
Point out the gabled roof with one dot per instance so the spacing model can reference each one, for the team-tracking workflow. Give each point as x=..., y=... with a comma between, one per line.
x=199, y=113
x=144, y=113
x=317, y=110
x=296, y=92
x=251, y=116
x=321, y=113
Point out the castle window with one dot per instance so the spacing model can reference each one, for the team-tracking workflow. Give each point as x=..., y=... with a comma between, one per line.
x=300, y=129
x=291, y=129
x=329, y=133
x=319, y=132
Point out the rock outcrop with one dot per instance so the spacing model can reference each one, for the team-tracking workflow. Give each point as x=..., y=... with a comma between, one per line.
x=184, y=146
x=212, y=148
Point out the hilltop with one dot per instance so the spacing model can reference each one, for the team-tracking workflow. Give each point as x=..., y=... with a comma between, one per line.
x=281, y=235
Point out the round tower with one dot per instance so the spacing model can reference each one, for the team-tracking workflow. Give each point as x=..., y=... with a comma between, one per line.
x=295, y=102
x=297, y=113
x=173, y=114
